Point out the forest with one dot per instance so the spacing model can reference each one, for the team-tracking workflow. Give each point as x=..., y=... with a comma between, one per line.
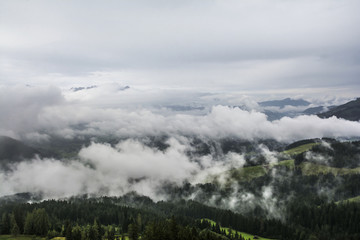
x=301, y=204
x=112, y=218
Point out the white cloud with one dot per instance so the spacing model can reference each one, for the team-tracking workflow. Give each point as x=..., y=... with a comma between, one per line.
x=105, y=170
x=41, y=112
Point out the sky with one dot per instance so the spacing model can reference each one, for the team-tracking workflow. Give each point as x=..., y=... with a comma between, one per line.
x=253, y=47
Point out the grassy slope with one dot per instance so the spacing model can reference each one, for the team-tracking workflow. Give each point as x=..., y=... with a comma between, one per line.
x=249, y=173
x=26, y=237
x=243, y=234
x=315, y=169
x=20, y=237
x=288, y=163
x=354, y=199
x=300, y=149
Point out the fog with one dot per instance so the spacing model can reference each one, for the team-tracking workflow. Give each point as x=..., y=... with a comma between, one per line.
x=36, y=114
x=101, y=169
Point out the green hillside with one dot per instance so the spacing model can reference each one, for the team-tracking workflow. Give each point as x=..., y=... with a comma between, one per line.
x=308, y=168
x=300, y=149
x=248, y=173
x=21, y=237
x=350, y=200
x=233, y=232
x=288, y=163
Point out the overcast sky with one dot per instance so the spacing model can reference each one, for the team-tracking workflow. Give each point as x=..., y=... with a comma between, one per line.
x=249, y=46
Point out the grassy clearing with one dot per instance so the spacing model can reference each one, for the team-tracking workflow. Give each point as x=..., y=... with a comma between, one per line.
x=27, y=237
x=20, y=237
x=119, y=236
x=247, y=173
x=300, y=149
x=308, y=168
x=228, y=230
x=287, y=163
x=350, y=200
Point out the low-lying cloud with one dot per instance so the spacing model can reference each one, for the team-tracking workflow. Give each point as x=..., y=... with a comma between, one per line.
x=102, y=169
x=44, y=112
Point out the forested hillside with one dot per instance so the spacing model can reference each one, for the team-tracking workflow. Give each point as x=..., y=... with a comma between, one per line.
x=309, y=193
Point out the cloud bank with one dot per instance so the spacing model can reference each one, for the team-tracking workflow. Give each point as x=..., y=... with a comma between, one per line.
x=101, y=169
x=39, y=113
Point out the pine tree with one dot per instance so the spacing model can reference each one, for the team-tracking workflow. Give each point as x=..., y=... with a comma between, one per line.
x=97, y=230
x=133, y=231
x=19, y=216
x=125, y=223
x=139, y=222
x=15, y=230
x=29, y=227
x=68, y=232
x=5, y=224
x=111, y=233
x=92, y=232
x=76, y=233
x=173, y=228
x=41, y=222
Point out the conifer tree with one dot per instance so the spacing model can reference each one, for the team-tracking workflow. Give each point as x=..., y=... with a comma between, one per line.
x=111, y=233
x=41, y=222
x=15, y=230
x=29, y=227
x=76, y=233
x=133, y=231
x=5, y=224
x=68, y=232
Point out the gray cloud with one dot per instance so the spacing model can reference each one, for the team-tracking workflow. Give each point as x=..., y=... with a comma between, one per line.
x=20, y=108
x=42, y=112
x=105, y=170
x=243, y=45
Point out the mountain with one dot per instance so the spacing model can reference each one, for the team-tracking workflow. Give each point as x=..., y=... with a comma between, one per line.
x=14, y=150
x=271, y=116
x=184, y=108
x=349, y=111
x=21, y=198
x=76, y=89
x=284, y=102
x=314, y=110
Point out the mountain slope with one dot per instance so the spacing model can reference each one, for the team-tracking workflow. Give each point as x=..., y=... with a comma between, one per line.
x=349, y=111
x=14, y=150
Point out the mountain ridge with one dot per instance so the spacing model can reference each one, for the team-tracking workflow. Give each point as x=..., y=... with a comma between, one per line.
x=349, y=111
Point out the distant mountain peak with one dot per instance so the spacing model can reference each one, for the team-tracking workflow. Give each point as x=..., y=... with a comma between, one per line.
x=349, y=111
x=14, y=150
x=285, y=102
x=124, y=88
x=76, y=89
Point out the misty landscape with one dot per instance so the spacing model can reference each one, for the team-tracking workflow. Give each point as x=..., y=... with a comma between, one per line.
x=172, y=120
